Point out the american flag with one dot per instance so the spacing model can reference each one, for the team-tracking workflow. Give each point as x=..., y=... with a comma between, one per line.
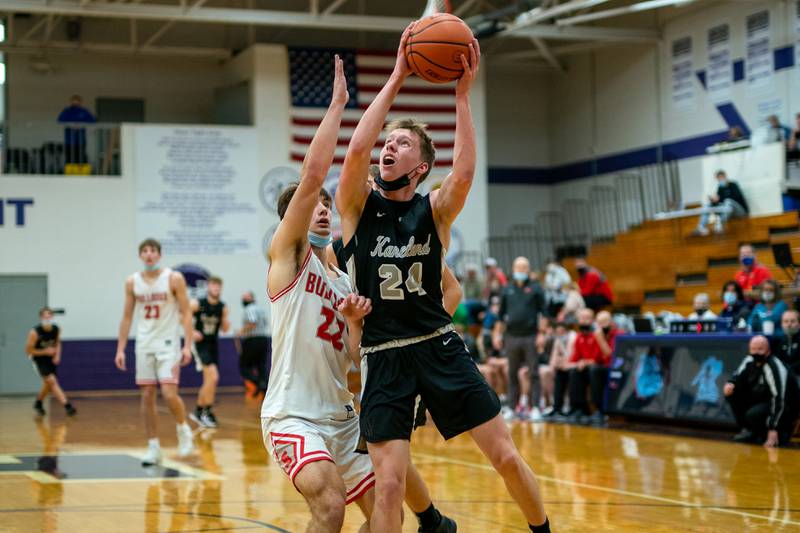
x=311, y=76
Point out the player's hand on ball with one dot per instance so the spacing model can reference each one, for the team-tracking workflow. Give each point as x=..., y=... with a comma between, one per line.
x=340, y=95
x=464, y=83
x=355, y=307
x=401, y=65
x=186, y=355
x=119, y=360
x=728, y=389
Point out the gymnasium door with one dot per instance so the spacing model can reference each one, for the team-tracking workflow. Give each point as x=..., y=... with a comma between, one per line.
x=21, y=297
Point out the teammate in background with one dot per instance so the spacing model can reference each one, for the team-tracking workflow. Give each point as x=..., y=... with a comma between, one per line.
x=210, y=316
x=44, y=348
x=394, y=243
x=253, y=343
x=308, y=418
x=159, y=298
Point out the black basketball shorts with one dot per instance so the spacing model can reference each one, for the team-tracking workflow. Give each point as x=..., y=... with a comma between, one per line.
x=438, y=369
x=207, y=354
x=44, y=365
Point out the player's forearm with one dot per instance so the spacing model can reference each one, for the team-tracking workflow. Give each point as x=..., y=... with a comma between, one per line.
x=188, y=329
x=321, y=151
x=122, y=337
x=353, y=340
x=370, y=125
x=464, y=153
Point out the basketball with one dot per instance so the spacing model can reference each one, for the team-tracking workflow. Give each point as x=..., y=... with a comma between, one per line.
x=434, y=49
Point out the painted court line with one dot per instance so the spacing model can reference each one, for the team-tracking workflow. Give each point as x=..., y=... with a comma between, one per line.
x=601, y=488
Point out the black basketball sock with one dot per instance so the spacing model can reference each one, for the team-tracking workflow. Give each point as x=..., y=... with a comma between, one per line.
x=542, y=528
x=429, y=519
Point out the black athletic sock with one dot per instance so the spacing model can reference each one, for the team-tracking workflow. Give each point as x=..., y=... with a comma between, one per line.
x=67, y=406
x=429, y=519
x=543, y=528
x=38, y=402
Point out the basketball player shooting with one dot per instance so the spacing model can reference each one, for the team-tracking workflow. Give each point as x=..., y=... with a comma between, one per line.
x=395, y=240
x=160, y=301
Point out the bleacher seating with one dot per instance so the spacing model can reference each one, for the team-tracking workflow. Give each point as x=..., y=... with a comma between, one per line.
x=660, y=266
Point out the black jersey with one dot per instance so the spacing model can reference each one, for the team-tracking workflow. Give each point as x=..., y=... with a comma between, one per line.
x=395, y=259
x=45, y=338
x=339, y=253
x=208, y=319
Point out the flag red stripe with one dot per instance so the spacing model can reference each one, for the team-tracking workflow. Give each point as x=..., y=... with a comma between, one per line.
x=339, y=160
x=385, y=71
x=304, y=139
x=379, y=53
x=416, y=108
x=449, y=91
x=299, y=121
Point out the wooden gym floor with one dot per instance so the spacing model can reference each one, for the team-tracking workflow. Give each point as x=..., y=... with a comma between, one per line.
x=592, y=479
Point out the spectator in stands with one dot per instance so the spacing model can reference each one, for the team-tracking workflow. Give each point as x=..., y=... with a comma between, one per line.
x=702, y=308
x=588, y=364
x=766, y=315
x=787, y=346
x=494, y=278
x=752, y=274
x=555, y=377
x=775, y=133
x=728, y=195
x=471, y=284
x=495, y=358
x=606, y=333
x=521, y=305
x=75, y=138
x=734, y=305
x=555, y=277
x=572, y=304
x=543, y=348
x=594, y=287
x=735, y=133
x=793, y=143
x=763, y=396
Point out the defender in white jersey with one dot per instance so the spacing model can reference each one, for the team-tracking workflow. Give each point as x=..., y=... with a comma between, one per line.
x=158, y=298
x=309, y=424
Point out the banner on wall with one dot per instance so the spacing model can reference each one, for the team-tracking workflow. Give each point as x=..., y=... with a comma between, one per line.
x=682, y=74
x=195, y=189
x=719, y=75
x=758, y=63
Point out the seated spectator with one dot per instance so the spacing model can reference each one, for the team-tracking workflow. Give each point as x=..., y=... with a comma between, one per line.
x=728, y=195
x=763, y=397
x=555, y=278
x=588, y=364
x=793, y=143
x=540, y=358
x=735, y=133
x=766, y=315
x=752, y=274
x=702, y=307
x=572, y=304
x=606, y=333
x=555, y=376
x=494, y=358
x=787, y=346
x=775, y=132
x=734, y=305
x=494, y=278
x=595, y=290
x=471, y=284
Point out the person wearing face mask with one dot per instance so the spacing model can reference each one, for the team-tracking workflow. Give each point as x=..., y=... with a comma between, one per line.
x=787, y=346
x=44, y=348
x=752, y=273
x=702, y=309
x=763, y=397
x=766, y=315
x=734, y=305
x=521, y=304
x=594, y=286
x=587, y=365
x=728, y=195
x=254, y=346
x=555, y=376
x=555, y=277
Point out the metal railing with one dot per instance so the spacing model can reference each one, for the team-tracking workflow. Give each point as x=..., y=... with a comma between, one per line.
x=66, y=148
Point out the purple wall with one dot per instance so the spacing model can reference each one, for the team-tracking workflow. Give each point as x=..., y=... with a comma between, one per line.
x=89, y=365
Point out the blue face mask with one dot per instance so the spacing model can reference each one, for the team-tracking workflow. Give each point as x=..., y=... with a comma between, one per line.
x=748, y=261
x=319, y=241
x=520, y=276
x=151, y=268
x=729, y=298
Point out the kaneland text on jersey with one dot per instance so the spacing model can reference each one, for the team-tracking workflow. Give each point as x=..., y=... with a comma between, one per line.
x=411, y=249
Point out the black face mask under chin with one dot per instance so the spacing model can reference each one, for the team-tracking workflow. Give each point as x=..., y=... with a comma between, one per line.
x=394, y=185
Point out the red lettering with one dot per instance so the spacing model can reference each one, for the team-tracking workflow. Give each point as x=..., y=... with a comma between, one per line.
x=312, y=278
x=320, y=287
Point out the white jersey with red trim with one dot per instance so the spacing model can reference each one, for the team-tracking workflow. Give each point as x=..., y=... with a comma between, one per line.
x=308, y=378
x=157, y=316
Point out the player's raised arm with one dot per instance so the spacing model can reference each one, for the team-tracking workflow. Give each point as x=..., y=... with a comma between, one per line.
x=125, y=324
x=448, y=201
x=353, y=189
x=178, y=286
x=291, y=237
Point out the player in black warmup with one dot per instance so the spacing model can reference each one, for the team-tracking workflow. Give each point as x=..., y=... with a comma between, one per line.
x=210, y=316
x=395, y=240
x=44, y=348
